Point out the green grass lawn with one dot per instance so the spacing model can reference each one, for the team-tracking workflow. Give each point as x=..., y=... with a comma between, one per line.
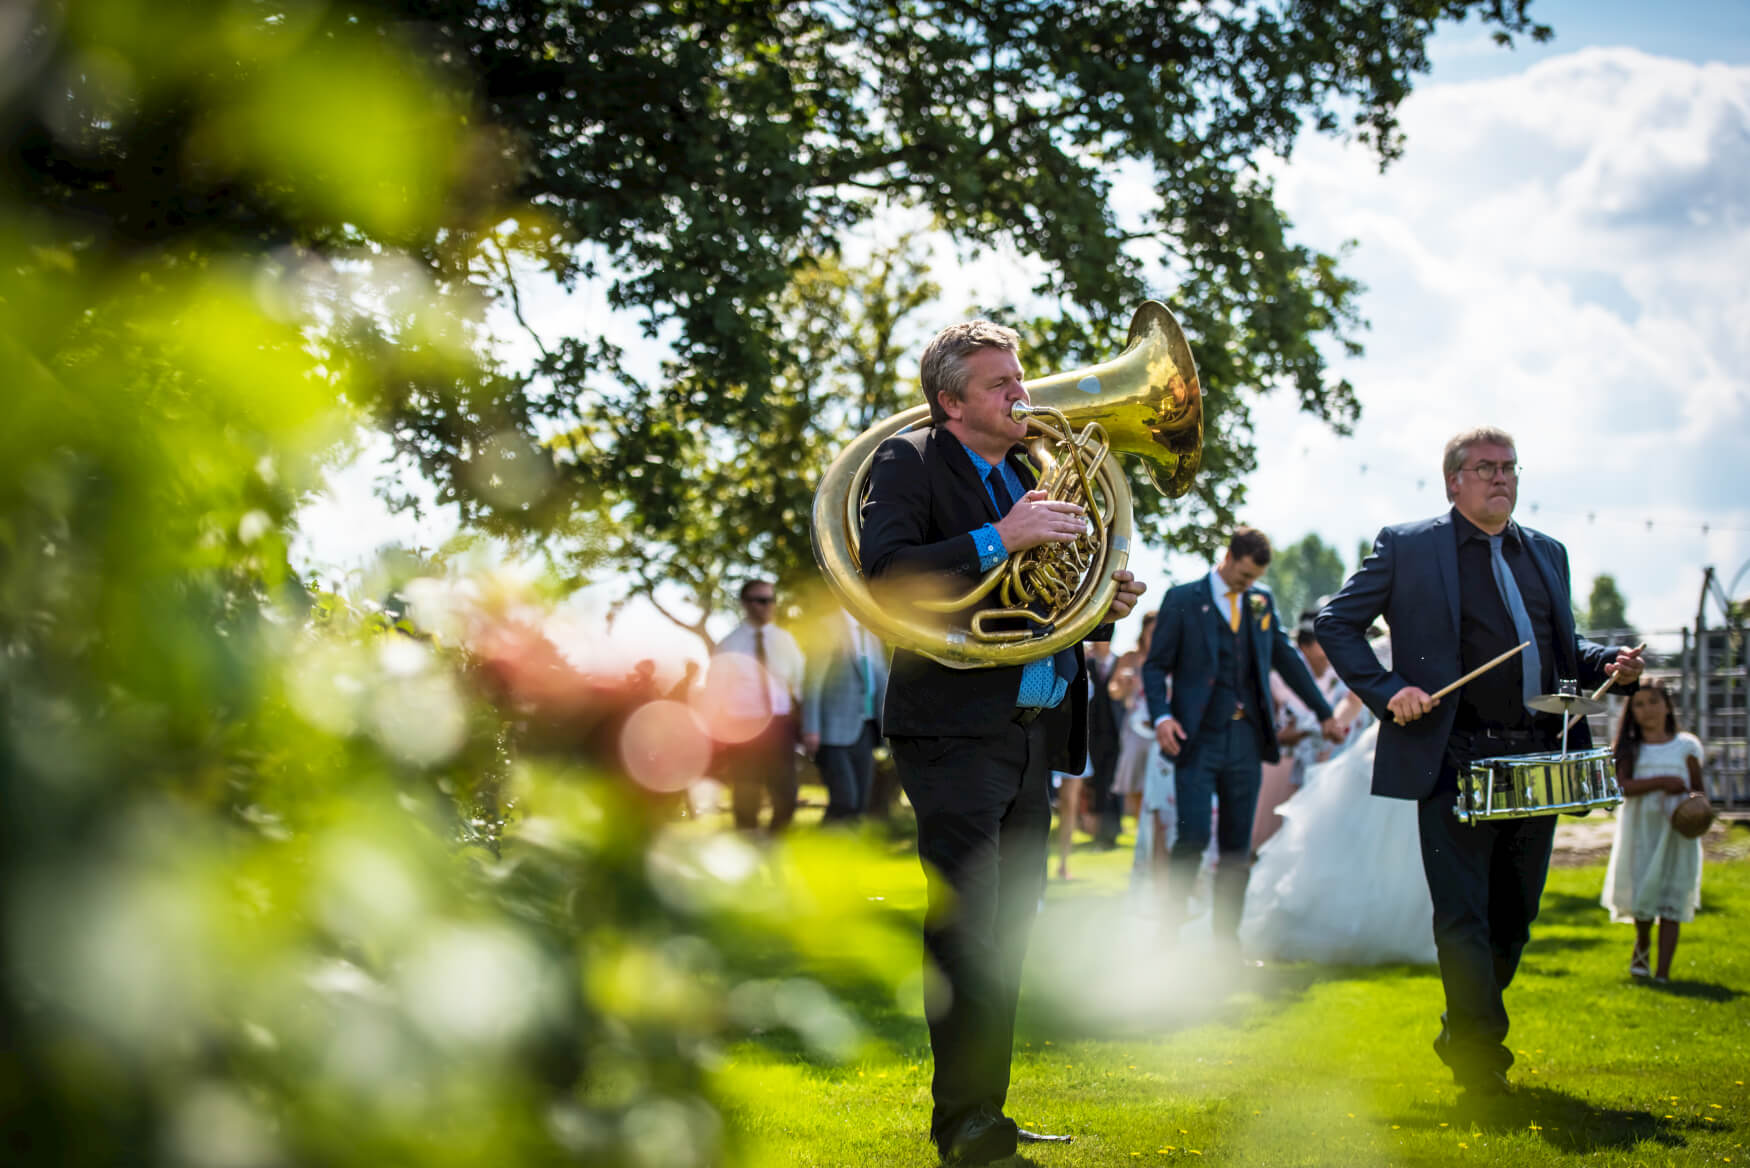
x=1147, y=1057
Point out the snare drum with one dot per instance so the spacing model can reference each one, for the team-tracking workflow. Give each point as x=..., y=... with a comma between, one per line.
x=1522, y=785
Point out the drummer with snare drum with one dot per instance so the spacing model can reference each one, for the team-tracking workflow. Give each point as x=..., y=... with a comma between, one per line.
x=1459, y=591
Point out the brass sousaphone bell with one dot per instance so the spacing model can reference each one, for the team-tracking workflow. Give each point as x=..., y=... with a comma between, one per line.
x=1146, y=402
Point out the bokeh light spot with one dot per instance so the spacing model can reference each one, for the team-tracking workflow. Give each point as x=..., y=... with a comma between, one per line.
x=664, y=747
x=729, y=702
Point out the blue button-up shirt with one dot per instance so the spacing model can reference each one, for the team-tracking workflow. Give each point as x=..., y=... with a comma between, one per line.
x=1040, y=683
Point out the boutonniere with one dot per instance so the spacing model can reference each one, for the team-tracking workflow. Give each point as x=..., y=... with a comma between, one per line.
x=1261, y=610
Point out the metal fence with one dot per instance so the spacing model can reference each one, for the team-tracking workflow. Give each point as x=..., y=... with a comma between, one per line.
x=1705, y=670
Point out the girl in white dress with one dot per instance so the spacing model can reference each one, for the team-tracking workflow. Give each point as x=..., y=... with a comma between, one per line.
x=1654, y=872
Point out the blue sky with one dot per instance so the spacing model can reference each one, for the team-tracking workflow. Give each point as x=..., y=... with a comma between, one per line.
x=1560, y=250
x=1690, y=30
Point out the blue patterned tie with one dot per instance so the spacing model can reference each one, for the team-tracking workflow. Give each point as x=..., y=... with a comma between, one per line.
x=1532, y=678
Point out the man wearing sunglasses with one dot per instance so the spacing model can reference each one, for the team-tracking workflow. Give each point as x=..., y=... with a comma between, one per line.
x=758, y=670
x=1458, y=590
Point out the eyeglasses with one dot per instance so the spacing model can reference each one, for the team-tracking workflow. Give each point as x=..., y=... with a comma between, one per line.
x=1488, y=470
x=759, y=600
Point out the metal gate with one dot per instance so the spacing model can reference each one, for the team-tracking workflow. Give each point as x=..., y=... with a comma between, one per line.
x=1704, y=667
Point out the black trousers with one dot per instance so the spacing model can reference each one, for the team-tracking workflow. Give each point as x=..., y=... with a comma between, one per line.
x=1108, y=805
x=764, y=766
x=984, y=819
x=1485, y=880
x=849, y=773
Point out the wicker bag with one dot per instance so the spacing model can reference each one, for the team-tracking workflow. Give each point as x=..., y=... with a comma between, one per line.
x=1693, y=815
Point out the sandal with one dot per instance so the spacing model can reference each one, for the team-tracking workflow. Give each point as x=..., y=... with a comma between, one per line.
x=1637, y=965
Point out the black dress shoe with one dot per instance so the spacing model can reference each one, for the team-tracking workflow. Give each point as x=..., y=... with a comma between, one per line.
x=1032, y=1137
x=981, y=1138
x=1483, y=1089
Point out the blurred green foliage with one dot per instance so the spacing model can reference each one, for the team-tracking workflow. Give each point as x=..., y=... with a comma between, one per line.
x=288, y=876
x=1301, y=572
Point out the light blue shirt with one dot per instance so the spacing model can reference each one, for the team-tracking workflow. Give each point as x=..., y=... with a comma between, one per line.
x=1040, y=684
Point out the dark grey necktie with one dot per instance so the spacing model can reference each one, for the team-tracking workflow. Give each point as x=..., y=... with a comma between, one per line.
x=1509, y=589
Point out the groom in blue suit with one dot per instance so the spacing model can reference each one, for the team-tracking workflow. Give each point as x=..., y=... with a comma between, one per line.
x=1219, y=638
x=1457, y=591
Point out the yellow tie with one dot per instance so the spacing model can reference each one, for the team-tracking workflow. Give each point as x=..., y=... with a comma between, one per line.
x=1233, y=611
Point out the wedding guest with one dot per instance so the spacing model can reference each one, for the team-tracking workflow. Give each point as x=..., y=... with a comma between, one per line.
x=1136, y=739
x=759, y=668
x=1070, y=790
x=682, y=690
x=841, y=714
x=1219, y=637
x=1277, y=781
x=1105, y=730
x=1654, y=872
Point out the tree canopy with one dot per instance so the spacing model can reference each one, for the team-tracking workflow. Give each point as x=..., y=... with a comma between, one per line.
x=693, y=159
x=1302, y=572
x=1606, y=607
x=291, y=879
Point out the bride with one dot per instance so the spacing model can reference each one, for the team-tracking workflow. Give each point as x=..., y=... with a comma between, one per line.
x=1341, y=882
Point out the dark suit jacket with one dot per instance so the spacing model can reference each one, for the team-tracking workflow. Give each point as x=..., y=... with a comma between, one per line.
x=925, y=500
x=1411, y=579
x=1185, y=647
x=1105, y=722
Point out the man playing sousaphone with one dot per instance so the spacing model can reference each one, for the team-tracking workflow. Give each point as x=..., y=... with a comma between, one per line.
x=1459, y=591
x=975, y=748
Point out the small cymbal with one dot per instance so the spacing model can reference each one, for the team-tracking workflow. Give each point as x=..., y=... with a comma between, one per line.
x=1565, y=704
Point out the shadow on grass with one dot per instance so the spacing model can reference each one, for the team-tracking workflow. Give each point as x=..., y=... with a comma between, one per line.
x=1566, y=1122
x=1568, y=908
x=1705, y=991
x=1188, y=996
x=1541, y=942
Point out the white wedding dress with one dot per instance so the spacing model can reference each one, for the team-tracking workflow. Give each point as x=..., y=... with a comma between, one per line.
x=1341, y=882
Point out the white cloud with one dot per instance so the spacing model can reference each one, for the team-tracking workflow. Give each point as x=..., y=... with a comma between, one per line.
x=1559, y=251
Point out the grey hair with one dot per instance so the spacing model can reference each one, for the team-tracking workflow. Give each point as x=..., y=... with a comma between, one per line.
x=1458, y=449
x=943, y=369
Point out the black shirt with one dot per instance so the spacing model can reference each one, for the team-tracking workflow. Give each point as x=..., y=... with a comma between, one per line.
x=1496, y=700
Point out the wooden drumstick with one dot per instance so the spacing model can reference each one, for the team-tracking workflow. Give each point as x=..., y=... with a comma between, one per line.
x=1474, y=674
x=1597, y=694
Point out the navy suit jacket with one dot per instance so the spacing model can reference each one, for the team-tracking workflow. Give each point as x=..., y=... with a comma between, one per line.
x=1411, y=579
x=1185, y=646
x=925, y=500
